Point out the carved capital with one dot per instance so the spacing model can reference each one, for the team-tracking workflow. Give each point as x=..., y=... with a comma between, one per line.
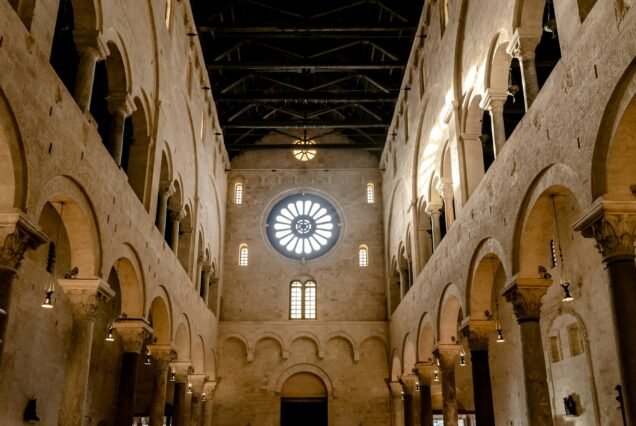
x=182, y=370
x=448, y=355
x=86, y=295
x=445, y=189
x=167, y=190
x=198, y=381
x=91, y=42
x=493, y=100
x=395, y=388
x=478, y=333
x=525, y=295
x=162, y=356
x=122, y=103
x=523, y=44
x=177, y=216
x=424, y=372
x=612, y=224
x=433, y=209
x=19, y=235
x=408, y=383
x=210, y=387
x=134, y=332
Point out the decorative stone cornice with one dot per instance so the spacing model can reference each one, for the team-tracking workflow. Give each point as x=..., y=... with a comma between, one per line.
x=612, y=223
x=19, y=234
x=134, y=332
x=525, y=295
x=86, y=295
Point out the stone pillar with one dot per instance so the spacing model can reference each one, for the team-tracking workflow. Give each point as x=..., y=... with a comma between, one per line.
x=525, y=295
x=198, y=382
x=493, y=102
x=523, y=46
x=133, y=332
x=85, y=296
x=445, y=189
x=424, y=371
x=181, y=405
x=120, y=106
x=448, y=356
x=162, y=356
x=478, y=334
x=176, y=217
x=209, y=389
x=165, y=193
x=433, y=210
x=91, y=50
x=412, y=399
x=397, y=403
x=613, y=225
x=17, y=234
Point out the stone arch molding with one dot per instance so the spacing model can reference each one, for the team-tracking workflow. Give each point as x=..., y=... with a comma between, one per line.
x=277, y=381
x=354, y=347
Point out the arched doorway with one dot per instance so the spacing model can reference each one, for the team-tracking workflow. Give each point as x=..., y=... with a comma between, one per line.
x=303, y=401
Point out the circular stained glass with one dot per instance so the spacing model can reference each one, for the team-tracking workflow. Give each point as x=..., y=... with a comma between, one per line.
x=303, y=226
x=305, y=151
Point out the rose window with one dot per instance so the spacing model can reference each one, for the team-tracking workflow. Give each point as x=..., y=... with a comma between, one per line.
x=303, y=226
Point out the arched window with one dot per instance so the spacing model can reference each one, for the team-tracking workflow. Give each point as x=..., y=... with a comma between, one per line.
x=238, y=193
x=302, y=300
x=363, y=256
x=243, y=255
x=169, y=7
x=370, y=193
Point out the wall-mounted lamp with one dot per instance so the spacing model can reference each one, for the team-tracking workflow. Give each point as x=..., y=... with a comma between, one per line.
x=110, y=337
x=462, y=356
x=148, y=360
x=173, y=375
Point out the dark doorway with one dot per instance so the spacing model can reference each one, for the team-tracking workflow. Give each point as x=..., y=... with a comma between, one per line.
x=303, y=412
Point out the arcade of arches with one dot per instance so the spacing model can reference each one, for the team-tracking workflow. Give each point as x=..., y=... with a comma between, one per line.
x=457, y=249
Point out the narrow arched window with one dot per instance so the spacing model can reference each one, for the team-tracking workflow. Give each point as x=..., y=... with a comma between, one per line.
x=302, y=300
x=238, y=193
x=169, y=7
x=243, y=255
x=370, y=193
x=363, y=256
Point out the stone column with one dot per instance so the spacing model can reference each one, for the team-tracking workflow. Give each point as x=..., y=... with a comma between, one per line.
x=523, y=46
x=120, y=106
x=448, y=356
x=525, y=295
x=478, y=334
x=397, y=403
x=433, y=210
x=165, y=193
x=17, y=234
x=181, y=404
x=176, y=217
x=85, y=296
x=198, y=382
x=162, y=356
x=493, y=102
x=445, y=189
x=424, y=371
x=91, y=50
x=613, y=225
x=133, y=332
x=412, y=399
x=209, y=389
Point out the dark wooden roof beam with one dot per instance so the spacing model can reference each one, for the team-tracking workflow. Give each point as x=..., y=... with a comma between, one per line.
x=285, y=68
x=306, y=125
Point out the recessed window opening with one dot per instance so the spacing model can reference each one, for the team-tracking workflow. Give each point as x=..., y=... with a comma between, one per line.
x=243, y=255
x=238, y=193
x=370, y=193
x=302, y=300
x=363, y=256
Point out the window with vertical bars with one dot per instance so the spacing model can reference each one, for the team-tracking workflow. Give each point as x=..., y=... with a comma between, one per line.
x=363, y=256
x=370, y=193
x=238, y=193
x=302, y=300
x=243, y=255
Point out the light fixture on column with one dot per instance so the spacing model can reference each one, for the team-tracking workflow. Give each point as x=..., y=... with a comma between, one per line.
x=49, y=289
x=189, y=387
x=462, y=356
x=498, y=327
x=564, y=282
x=173, y=375
x=148, y=360
x=417, y=386
x=402, y=395
x=203, y=397
x=436, y=372
x=110, y=337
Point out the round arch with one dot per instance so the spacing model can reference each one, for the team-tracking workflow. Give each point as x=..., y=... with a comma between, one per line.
x=160, y=320
x=13, y=173
x=450, y=312
x=276, y=384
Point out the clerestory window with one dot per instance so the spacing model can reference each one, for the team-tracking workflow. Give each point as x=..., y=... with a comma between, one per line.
x=302, y=300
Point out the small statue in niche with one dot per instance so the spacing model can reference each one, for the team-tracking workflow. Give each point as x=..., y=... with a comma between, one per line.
x=570, y=405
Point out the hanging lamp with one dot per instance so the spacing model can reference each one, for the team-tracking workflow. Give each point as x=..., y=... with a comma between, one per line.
x=49, y=289
x=564, y=282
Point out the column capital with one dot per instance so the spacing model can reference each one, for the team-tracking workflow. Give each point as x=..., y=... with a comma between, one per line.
x=523, y=43
x=86, y=295
x=433, y=209
x=445, y=189
x=178, y=216
x=198, y=381
x=209, y=387
x=612, y=223
x=162, y=354
x=92, y=42
x=167, y=190
x=20, y=234
x=395, y=387
x=134, y=332
x=408, y=382
x=471, y=137
x=494, y=99
x=478, y=333
x=182, y=370
x=424, y=372
x=448, y=354
x=121, y=102
x=525, y=295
